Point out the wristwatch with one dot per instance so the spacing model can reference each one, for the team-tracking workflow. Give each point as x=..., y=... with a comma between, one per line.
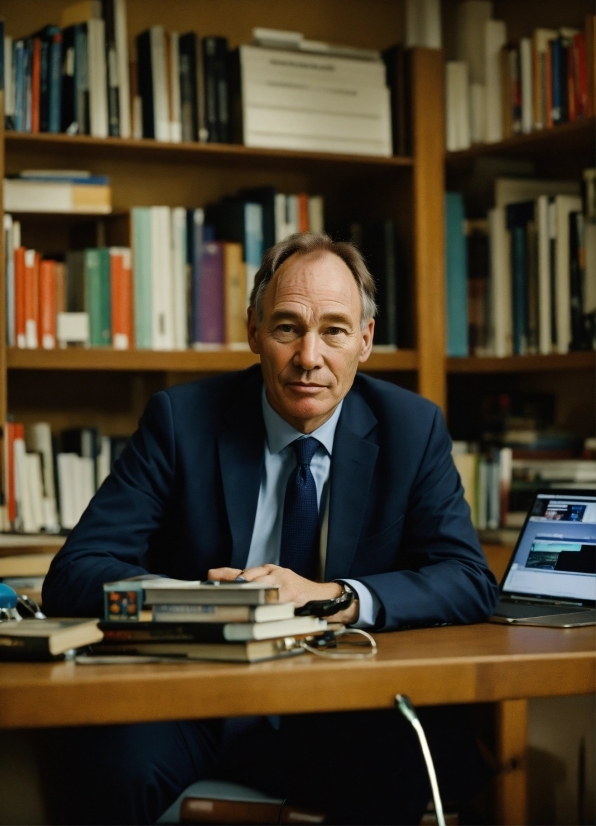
x=328, y=607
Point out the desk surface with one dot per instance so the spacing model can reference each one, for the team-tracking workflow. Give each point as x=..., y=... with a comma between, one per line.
x=461, y=664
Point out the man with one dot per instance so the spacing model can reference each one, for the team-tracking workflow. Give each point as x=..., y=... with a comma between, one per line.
x=299, y=474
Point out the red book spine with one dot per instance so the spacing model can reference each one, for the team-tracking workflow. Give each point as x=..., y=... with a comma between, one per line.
x=122, y=304
x=9, y=487
x=47, y=304
x=35, y=84
x=19, y=291
x=581, y=75
x=31, y=299
x=302, y=212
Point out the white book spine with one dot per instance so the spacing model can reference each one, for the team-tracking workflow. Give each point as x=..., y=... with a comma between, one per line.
x=38, y=438
x=280, y=217
x=311, y=68
x=525, y=59
x=291, y=214
x=160, y=85
x=35, y=490
x=477, y=112
x=500, y=275
x=564, y=205
x=161, y=278
x=19, y=483
x=495, y=37
x=123, y=72
x=423, y=23
x=457, y=105
x=98, y=100
x=179, y=286
x=471, y=16
x=174, y=89
x=104, y=460
x=361, y=103
x=64, y=462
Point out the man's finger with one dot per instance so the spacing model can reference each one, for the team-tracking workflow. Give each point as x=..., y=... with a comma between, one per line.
x=225, y=574
x=250, y=574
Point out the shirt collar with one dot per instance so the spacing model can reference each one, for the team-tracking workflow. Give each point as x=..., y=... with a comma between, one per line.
x=280, y=434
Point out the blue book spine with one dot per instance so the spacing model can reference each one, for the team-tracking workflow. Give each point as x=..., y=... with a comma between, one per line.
x=456, y=268
x=253, y=242
x=27, y=61
x=55, y=77
x=518, y=288
x=143, y=301
x=19, y=63
x=195, y=218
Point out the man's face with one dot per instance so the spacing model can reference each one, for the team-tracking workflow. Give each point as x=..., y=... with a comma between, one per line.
x=310, y=338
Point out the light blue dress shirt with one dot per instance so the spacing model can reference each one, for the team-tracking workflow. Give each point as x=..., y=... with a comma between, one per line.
x=280, y=460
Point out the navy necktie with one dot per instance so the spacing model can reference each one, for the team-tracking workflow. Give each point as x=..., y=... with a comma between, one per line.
x=299, y=549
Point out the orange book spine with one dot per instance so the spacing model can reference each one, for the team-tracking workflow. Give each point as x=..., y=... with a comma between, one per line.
x=122, y=304
x=19, y=293
x=31, y=299
x=302, y=212
x=9, y=487
x=47, y=304
x=35, y=84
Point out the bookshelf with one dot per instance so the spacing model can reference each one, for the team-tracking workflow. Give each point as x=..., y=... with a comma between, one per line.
x=109, y=388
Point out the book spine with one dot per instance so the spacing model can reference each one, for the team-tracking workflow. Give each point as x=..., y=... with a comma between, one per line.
x=19, y=298
x=31, y=299
x=179, y=285
x=456, y=271
x=81, y=79
x=111, y=60
x=19, y=61
x=581, y=79
x=8, y=469
x=47, y=304
x=173, y=69
x=518, y=290
x=98, y=78
x=253, y=243
x=235, y=294
x=143, y=302
x=161, y=119
x=97, y=287
x=44, y=84
x=556, y=62
x=122, y=68
x=122, y=309
x=210, y=87
x=9, y=248
x=187, y=67
x=145, y=83
x=55, y=82
x=223, y=106
x=211, y=295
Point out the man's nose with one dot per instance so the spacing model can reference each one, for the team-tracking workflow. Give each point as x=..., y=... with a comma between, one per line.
x=308, y=352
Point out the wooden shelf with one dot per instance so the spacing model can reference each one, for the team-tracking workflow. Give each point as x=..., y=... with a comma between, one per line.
x=522, y=364
x=577, y=136
x=191, y=361
x=227, y=153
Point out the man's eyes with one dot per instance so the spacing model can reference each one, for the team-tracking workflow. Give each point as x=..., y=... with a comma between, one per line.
x=334, y=331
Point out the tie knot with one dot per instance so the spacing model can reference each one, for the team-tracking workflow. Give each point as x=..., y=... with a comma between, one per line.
x=305, y=449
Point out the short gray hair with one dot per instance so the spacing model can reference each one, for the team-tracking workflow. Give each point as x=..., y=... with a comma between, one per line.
x=304, y=243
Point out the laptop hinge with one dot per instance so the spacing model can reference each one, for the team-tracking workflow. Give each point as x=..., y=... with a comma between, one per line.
x=539, y=601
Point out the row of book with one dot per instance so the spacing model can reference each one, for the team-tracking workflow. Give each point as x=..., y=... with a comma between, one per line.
x=198, y=620
x=523, y=281
x=57, y=191
x=499, y=488
x=48, y=481
x=76, y=78
x=186, y=283
x=496, y=89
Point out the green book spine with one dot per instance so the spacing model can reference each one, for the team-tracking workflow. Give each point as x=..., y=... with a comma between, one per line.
x=97, y=285
x=141, y=235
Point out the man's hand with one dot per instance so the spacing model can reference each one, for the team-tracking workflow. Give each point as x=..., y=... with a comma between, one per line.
x=292, y=588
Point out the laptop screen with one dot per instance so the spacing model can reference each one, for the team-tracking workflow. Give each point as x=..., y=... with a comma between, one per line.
x=555, y=556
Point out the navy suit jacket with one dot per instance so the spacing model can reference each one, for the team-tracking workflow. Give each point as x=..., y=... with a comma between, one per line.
x=183, y=497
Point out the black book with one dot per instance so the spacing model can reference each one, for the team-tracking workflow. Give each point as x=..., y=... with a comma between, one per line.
x=579, y=337
x=50, y=78
x=145, y=81
x=228, y=220
x=113, y=90
x=82, y=111
x=81, y=440
x=189, y=99
x=395, y=69
x=215, y=78
x=264, y=195
x=379, y=246
x=67, y=115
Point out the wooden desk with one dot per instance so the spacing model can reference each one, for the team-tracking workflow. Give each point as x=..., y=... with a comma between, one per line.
x=464, y=664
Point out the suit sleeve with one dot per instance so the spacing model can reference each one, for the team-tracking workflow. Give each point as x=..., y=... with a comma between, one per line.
x=443, y=576
x=111, y=540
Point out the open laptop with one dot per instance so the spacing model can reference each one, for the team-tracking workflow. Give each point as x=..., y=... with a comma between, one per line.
x=551, y=578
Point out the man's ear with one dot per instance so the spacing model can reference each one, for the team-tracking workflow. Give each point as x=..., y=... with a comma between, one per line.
x=251, y=330
x=367, y=340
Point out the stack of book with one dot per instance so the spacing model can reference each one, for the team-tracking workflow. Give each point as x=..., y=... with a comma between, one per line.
x=48, y=481
x=46, y=639
x=69, y=191
x=523, y=281
x=291, y=99
x=233, y=621
x=496, y=89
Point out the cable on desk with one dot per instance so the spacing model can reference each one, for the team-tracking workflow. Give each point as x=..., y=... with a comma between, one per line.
x=404, y=705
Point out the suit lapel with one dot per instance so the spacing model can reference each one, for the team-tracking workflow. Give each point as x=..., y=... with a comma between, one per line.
x=352, y=467
x=241, y=457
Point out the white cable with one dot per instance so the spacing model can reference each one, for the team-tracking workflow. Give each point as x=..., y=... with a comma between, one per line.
x=407, y=709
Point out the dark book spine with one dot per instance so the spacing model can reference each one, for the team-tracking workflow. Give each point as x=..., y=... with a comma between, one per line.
x=55, y=82
x=19, y=62
x=395, y=72
x=210, y=87
x=223, y=104
x=27, y=66
x=44, y=86
x=188, y=86
x=555, y=62
x=579, y=340
x=24, y=648
x=113, y=89
x=137, y=633
x=145, y=80
x=378, y=243
x=82, y=115
x=210, y=303
x=563, y=81
x=235, y=97
x=518, y=292
x=67, y=113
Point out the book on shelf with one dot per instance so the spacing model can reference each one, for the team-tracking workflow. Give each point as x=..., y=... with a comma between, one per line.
x=456, y=275
x=503, y=88
x=46, y=639
x=536, y=294
x=58, y=193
